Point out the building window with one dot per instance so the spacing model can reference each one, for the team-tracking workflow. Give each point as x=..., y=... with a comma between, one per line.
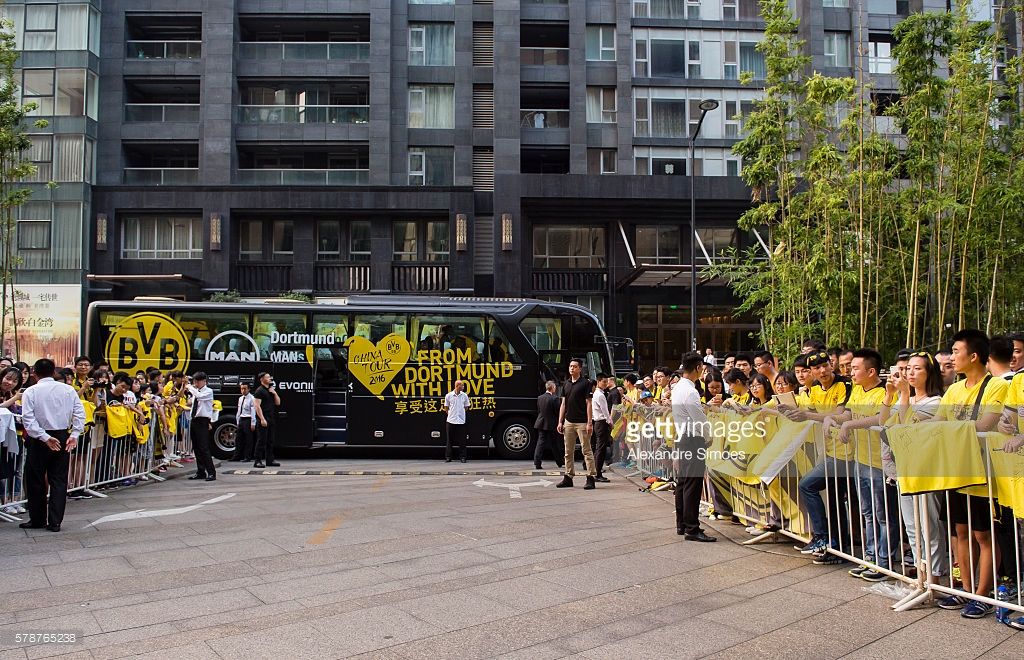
x=753, y=61
x=72, y=158
x=732, y=120
x=657, y=244
x=75, y=92
x=640, y=8
x=161, y=237
x=328, y=239
x=837, y=49
x=732, y=166
x=640, y=58
x=693, y=60
x=693, y=9
x=717, y=240
x=668, y=58
x=729, y=10
x=40, y=27
x=601, y=105
x=431, y=166
x=601, y=161
x=432, y=106
x=432, y=44
x=420, y=241
x=601, y=43
x=730, y=61
x=40, y=154
x=879, y=55
x=37, y=87
x=34, y=226
x=531, y=327
x=835, y=3
x=568, y=247
x=73, y=27
x=668, y=118
x=250, y=240
x=668, y=8
x=750, y=10
x=359, y=240
x=642, y=122
x=282, y=245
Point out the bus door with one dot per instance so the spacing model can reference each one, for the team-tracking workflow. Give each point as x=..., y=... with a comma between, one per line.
x=331, y=378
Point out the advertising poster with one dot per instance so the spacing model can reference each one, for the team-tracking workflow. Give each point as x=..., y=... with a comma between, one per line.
x=49, y=320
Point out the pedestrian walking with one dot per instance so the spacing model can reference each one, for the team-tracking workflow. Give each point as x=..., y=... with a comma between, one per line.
x=575, y=422
x=200, y=416
x=267, y=402
x=548, y=405
x=456, y=403
x=49, y=410
x=688, y=414
x=245, y=423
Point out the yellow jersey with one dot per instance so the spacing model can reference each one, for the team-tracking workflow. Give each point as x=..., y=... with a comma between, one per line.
x=826, y=400
x=867, y=403
x=1015, y=400
x=959, y=401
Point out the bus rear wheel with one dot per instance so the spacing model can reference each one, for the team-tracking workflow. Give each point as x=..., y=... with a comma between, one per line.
x=222, y=440
x=515, y=438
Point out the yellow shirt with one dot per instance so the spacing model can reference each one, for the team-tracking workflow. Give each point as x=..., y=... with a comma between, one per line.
x=1015, y=400
x=744, y=399
x=120, y=421
x=958, y=402
x=825, y=401
x=867, y=403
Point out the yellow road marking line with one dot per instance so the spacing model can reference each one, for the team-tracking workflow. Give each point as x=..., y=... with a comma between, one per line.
x=320, y=537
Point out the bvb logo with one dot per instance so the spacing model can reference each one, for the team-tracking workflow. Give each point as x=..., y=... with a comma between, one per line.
x=148, y=340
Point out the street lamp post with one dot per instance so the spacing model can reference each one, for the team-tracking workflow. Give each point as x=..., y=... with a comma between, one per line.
x=706, y=106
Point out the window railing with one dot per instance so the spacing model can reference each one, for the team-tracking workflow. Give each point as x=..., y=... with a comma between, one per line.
x=270, y=277
x=545, y=2
x=544, y=118
x=163, y=112
x=557, y=280
x=161, y=176
x=304, y=50
x=303, y=177
x=342, y=277
x=163, y=50
x=544, y=56
x=426, y=277
x=303, y=114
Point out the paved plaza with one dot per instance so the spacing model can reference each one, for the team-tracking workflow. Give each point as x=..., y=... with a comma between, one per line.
x=435, y=566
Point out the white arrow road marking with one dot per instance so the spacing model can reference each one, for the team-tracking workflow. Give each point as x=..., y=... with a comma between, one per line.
x=155, y=513
x=513, y=489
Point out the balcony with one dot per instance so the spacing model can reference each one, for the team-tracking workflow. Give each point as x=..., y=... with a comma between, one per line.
x=342, y=277
x=163, y=50
x=161, y=176
x=161, y=112
x=357, y=51
x=303, y=114
x=544, y=56
x=264, y=277
x=427, y=277
x=559, y=281
x=544, y=118
x=289, y=177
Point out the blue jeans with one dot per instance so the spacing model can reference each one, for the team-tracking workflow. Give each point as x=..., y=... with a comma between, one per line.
x=878, y=508
x=811, y=486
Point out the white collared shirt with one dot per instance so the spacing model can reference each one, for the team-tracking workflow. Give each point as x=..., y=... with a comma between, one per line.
x=202, y=401
x=457, y=405
x=245, y=407
x=599, y=406
x=686, y=408
x=52, y=406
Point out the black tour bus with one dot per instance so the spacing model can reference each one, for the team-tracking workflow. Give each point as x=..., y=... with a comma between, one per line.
x=365, y=371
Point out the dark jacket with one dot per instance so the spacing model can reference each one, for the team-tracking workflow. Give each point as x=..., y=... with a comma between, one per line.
x=548, y=406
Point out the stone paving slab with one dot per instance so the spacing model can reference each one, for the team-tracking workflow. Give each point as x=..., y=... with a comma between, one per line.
x=418, y=563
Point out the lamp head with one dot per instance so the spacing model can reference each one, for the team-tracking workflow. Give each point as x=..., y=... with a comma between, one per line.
x=707, y=105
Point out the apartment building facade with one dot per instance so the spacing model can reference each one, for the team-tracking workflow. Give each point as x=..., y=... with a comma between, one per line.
x=466, y=147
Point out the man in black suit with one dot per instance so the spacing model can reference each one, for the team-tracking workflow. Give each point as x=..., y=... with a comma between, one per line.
x=548, y=405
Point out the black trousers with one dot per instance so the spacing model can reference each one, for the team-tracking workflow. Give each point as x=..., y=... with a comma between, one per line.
x=200, y=432
x=689, y=484
x=243, y=440
x=549, y=440
x=265, y=443
x=47, y=467
x=455, y=433
x=602, y=439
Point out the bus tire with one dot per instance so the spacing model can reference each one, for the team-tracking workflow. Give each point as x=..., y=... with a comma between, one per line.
x=222, y=439
x=515, y=438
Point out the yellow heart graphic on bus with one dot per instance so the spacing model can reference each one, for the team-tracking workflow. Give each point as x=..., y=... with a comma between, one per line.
x=376, y=366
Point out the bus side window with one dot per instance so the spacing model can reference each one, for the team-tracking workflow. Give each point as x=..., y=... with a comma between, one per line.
x=499, y=348
x=462, y=334
x=264, y=327
x=375, y=327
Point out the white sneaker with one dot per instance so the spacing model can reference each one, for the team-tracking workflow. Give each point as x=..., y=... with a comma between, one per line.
x=22, y=509
x=10, y=509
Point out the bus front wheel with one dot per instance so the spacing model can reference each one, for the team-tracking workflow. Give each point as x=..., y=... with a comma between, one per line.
x=514, y=438
x=223, y=439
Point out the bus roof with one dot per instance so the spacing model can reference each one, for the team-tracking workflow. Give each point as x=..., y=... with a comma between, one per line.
x=384, y=302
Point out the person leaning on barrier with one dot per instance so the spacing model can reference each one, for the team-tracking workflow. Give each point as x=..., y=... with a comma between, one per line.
x=548, y=404
x=49, y=410
x=979, y=397
x=687, y=413
x=575, y=422
x=201, y=414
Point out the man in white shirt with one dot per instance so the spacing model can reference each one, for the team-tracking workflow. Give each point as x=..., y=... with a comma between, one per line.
x=200, y=413
x=54, y=418
x=456, y=403
x=601, y=414
x=688, y=414
x=245, y=423
x=709, y=358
